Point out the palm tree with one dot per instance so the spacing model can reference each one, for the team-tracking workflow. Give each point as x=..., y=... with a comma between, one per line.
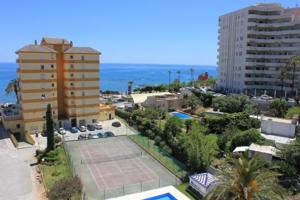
x=178, y=73
x=130, y=87
x=12, y=87
x=192, y=76
x=247, y=180
x=169, y=80
x=294, y=62
x=283, y=73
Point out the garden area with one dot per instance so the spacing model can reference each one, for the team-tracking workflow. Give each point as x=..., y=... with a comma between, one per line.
x=208, y=140
x=55, y=167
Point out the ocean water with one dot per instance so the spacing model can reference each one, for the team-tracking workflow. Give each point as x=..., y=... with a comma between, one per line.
x=116, y=76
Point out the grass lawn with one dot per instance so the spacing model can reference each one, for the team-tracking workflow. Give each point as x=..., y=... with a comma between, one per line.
x=182, y=188
x=58, y=171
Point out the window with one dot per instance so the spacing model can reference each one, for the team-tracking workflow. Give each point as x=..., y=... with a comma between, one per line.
x=18, y=126
x=82, y=75
x=72, y=66
x=71, y=57
x=52, y=66
x=43, y=96
x=53, y=85
x=94, y=121
x=72, y=93
x=82, y=57
x=71, y=84
x=42, y=67
x=52, y=75
x=72, y=75
x=82, y=93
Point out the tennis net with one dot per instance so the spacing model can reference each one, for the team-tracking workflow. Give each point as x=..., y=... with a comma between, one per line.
x=96, y=160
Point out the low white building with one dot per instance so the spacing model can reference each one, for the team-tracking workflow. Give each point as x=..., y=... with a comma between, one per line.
x=266, y=152
x=203, y=183
x=278, y=126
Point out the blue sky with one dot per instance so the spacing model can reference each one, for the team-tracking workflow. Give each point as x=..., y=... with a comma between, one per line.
x=125, y=31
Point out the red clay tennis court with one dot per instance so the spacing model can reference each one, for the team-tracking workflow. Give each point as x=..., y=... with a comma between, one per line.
x=111, y=167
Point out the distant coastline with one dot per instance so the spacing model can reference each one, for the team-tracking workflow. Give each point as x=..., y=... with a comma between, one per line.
x=115, y=76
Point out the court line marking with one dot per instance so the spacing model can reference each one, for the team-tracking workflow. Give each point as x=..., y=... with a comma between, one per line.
x=90, y=171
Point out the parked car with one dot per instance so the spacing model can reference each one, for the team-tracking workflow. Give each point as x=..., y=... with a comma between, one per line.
x=91, y=127
x=62, y=131
x=98, y=126
x=83, y=137
x=290, y=100
x=265, y=97
x=108, y=134
x=116, y=124
x=74, y=130
x=93, y=136
x=100, y=135
x=82, y=128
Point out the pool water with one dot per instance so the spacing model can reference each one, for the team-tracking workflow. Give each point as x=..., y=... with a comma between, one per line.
x=166, y=196
x=181, y=115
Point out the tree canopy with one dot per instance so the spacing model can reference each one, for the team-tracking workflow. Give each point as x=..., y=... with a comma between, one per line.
x=247, y=180
x=278, y=108
x=200, y=149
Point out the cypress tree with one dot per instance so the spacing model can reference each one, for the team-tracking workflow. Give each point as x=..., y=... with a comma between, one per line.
x=49, y=129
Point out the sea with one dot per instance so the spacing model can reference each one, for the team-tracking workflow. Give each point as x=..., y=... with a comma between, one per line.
x=116, y=76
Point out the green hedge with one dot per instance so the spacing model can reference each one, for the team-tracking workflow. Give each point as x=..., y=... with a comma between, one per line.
x=123, y=114
x=164, y=157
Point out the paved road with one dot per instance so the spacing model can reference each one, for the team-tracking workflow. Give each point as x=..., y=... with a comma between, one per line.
x=15, y=175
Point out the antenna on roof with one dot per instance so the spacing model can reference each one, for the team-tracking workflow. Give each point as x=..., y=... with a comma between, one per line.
x=71, y=43
x=35, y=42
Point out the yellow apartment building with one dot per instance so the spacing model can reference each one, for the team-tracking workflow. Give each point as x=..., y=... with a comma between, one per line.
x=67, y=77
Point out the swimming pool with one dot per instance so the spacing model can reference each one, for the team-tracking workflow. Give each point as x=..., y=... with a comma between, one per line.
x=181, y=115
x=166, y=196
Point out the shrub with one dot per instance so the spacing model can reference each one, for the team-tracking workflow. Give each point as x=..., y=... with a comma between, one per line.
x=246, y=138
x=278, y=108
x=123, y=114
x=232, y=103
x=218, y=124
x=65, y=189
x=57, y=139
x=295, y=110
x=157, y=140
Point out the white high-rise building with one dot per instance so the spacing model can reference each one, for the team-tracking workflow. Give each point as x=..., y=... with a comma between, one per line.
x=254, y=44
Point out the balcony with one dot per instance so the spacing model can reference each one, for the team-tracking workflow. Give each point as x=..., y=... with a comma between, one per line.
x=292, y=48
x=257, y=32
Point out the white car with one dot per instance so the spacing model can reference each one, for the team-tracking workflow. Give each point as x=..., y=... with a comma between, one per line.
x=98, y=126
x=82, y=128
x=265, y=97
x=290, y=100
x=62, y=131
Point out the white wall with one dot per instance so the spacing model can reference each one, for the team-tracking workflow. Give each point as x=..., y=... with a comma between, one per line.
x=268, y=126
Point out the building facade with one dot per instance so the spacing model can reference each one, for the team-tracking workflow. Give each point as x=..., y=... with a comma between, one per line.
x=255, y=44
x=164, y=102
x=67, y=77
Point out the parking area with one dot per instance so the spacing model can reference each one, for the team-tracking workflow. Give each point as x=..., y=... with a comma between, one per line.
x=106, y=126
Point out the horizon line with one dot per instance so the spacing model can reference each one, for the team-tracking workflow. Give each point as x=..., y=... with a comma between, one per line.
x=128, y=63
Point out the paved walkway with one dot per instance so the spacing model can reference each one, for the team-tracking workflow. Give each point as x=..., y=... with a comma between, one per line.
x=18, y=180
